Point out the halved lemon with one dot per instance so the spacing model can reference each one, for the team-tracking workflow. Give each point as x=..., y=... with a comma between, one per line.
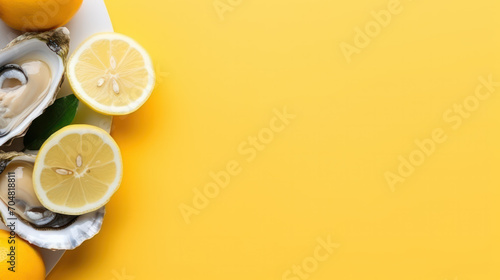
x=111, y=73
x=77, y=170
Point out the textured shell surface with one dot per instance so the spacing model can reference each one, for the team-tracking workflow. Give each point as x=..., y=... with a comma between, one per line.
x=83, y=228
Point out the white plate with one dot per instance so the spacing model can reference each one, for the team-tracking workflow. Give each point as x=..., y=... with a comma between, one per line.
x=91, y=18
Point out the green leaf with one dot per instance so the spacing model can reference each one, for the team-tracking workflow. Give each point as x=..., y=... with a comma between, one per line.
x=55, y=117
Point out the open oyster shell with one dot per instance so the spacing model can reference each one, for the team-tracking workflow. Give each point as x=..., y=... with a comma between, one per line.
x=50, y=48
x=29, y=219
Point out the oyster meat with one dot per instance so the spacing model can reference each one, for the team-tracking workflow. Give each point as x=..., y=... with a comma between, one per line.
x=33, y=222
x=31, y=73
x=23, y=197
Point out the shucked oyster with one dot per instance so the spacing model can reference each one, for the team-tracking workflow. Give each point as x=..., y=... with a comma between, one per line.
x=31, y=73
x=22, y=198
x=32, y=221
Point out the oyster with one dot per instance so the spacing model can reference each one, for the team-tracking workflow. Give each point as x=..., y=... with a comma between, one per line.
x=32, y=221
x=31, y=73
x=22, y=199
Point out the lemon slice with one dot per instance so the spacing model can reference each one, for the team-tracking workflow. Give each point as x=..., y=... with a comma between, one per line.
x=111, y=73
x=77, y=170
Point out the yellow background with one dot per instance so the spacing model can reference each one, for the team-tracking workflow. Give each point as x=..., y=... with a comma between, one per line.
x=219, y=81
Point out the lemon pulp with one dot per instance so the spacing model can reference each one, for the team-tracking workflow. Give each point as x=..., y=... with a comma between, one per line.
x=77, y=170
x=111, y=73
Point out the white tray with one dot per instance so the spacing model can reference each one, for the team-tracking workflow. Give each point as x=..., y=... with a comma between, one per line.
x=91, y=18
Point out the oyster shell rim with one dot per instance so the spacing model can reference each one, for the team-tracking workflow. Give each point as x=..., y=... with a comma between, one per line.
x=62, y=241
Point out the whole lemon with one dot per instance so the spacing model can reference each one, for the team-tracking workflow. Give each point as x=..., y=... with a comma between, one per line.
x=38, y=15
x=25, y=260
